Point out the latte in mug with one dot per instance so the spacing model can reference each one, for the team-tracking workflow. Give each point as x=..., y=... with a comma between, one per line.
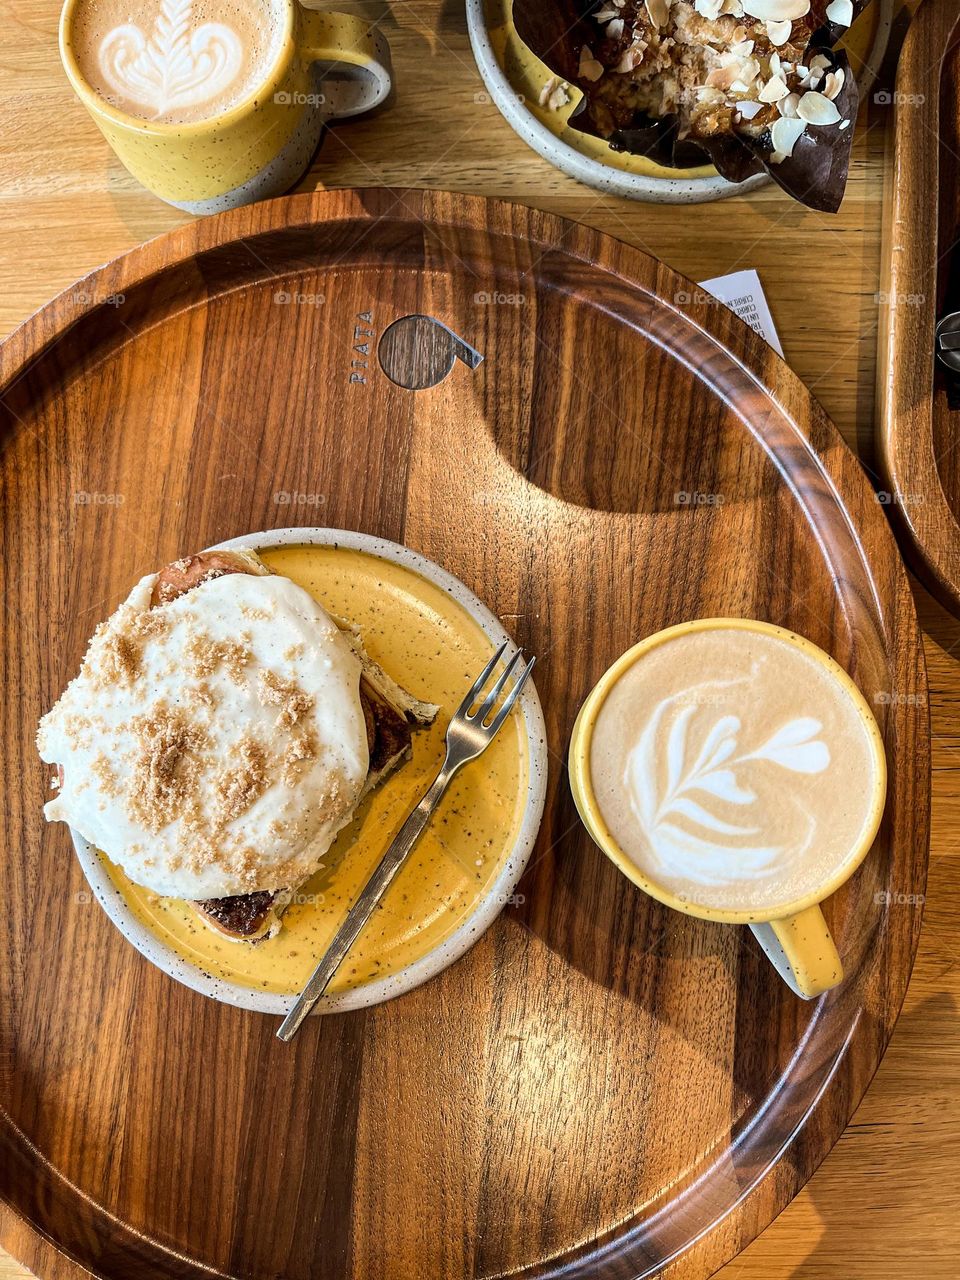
x=735, y=769
x=213, y=104
x=176, y=61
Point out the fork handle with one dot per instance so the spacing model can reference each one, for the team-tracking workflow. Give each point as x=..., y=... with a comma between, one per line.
x=366, y=903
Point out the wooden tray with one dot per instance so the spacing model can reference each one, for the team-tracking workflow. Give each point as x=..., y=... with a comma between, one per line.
x=917, y=429
x=600, y=1087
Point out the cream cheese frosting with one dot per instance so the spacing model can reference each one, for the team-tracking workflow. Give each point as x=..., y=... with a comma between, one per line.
x=213, y=745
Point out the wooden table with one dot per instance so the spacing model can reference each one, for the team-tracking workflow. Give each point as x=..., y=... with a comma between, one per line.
x=886, y=1203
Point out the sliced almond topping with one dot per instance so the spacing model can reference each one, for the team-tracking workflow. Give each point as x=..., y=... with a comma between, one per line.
x=814, y=108
x=723, y=77
x=840, y=12
x=833, y=83
x=779, y=33
x=559, y=97
x=773, y=90
x=776, y=10
x=590, y=68
x=631, y=57
x=544, y=95
x=785, y=134
x=788, y=106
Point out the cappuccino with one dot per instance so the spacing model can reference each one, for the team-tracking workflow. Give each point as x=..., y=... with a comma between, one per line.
x=735, y=769
x=177, y=61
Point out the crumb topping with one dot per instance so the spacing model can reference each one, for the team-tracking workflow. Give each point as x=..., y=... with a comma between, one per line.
x=208, y=654
x=202, y=695
x=276, y=691
x=236, y=788
x=104, y=772
x=256, y=612
x=211, y=748
x=120, y=656
x=148, y=624
x=165, y=766
x=300, y=749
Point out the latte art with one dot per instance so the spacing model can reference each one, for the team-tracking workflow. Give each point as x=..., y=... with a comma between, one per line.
x=733, y=769
x=705, y=775
x=176, y=65
x=176, y=61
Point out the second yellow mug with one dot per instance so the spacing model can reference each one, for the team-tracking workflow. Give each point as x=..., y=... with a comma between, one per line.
x=793, y=934
x=324, y=65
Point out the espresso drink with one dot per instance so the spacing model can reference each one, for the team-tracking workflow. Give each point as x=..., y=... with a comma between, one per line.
x=733, y=769
x=177, y=61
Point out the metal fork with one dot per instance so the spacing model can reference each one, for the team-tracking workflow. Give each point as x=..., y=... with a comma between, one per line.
x=467, y=736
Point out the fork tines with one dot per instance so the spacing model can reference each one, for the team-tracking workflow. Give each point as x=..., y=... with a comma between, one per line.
x=490, y=701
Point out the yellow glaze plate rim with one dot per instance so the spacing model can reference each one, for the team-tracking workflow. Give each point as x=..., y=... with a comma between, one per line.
x=488, y=906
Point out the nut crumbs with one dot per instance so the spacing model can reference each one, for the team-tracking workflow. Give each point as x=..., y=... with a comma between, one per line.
x=293, y=702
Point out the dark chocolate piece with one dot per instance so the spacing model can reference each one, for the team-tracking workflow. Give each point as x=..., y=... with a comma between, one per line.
x=243, y=915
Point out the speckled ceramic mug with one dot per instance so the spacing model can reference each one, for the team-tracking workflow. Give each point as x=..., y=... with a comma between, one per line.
x=794, y=934
x=326, y=65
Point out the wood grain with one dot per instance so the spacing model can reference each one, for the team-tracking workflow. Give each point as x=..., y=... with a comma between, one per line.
x=886, y=1202
x=917, y=425
x=600, y=1080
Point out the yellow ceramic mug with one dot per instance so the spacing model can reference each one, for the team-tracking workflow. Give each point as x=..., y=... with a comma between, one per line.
x=325, y=65
x=795, y=935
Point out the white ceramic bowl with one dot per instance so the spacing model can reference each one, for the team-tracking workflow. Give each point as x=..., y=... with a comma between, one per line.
x=487, y=907
x=604, y=177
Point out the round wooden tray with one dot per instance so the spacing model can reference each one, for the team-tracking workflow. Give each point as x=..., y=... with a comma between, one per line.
x=600, y=1088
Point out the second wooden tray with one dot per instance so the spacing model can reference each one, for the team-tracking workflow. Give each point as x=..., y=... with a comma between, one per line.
x=919, y=415
x=601, y=1087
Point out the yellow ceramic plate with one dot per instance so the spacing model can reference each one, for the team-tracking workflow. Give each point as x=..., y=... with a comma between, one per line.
x=433, y=636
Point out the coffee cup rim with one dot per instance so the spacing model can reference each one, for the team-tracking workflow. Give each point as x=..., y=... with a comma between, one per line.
x=581, y=783
x=97, y=104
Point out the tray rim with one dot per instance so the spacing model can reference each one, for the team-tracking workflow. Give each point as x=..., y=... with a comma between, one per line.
x=903, y=429
x=834, y=457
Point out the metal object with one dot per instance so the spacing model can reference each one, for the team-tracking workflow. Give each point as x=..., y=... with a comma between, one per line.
x=948, y=342
x=468, y=735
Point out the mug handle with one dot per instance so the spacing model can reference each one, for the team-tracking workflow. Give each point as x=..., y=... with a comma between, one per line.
x=353, y=58
x=802, y=951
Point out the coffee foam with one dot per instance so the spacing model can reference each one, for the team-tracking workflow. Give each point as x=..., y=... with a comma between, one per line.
x=733, y=769
x=176, y=61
